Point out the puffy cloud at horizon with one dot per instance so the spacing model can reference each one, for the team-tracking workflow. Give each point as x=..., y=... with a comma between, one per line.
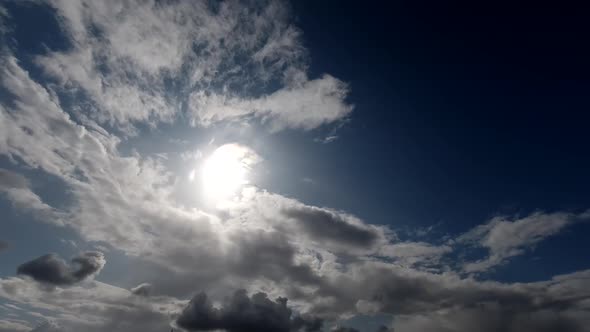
x=128, y=68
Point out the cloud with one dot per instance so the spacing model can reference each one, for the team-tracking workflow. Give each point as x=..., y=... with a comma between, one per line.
x=9, y=179
x=505, y=238
x=8, y=325
x=344, y=329
x=243, y=313
x=306, y=106
x=415, y=253
x=51, y=269
x=308, y=225
x=326, y=225
x=92, y=307
x=16, y=188
x=48, y=326
x=350, y=329
x=222, y=59
x=144, y=289
x=493, y=318
x=135, y=64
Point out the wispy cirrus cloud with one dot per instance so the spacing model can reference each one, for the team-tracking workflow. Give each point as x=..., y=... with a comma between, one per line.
x=505, y=237
x=138, y=62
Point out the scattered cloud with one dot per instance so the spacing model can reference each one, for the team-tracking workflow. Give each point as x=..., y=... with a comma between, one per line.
x=306, y=106
x=414, y=253
x=124, y=53
x=505, y=238
x=93, y=307
x=51, y=269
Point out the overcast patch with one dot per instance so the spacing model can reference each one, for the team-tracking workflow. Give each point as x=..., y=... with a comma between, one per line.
x=323, y=225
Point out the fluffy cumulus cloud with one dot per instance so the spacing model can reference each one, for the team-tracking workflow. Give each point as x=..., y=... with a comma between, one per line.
x=127, y=67
x=243, y=313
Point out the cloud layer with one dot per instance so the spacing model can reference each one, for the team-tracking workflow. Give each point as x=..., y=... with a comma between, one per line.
x=128, y=68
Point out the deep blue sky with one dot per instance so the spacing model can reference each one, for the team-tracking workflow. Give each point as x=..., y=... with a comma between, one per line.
x=462, y=111
x=488, y=102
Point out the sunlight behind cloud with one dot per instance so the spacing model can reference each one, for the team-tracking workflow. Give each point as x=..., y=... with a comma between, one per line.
x=226, y=170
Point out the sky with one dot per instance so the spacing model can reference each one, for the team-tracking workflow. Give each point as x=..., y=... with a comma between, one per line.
x=253, y=166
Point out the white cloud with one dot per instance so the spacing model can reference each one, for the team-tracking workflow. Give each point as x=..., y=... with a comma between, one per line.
x=505, y=238
x=413, y=253
x=149, y=57
x=94, y=306
x=308, y=106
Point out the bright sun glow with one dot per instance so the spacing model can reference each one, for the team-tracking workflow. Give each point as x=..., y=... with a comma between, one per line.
x=226, y=171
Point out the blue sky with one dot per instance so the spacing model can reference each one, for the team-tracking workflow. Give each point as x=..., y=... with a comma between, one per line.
x=192, y=164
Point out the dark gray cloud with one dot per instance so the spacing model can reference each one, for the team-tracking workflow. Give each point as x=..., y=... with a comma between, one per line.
x=269, y=254
x=344, y=329
x=242, y=313
x=144, y=289
x=445, y=302
x=51, y=269
x=351, y=329
x=493, y=318
x=325, y=225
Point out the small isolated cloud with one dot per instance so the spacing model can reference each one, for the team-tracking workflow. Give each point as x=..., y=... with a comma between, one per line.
x=144, y=289
x=51, y=269
x=505, y=238
x=327, y=139
x=244, y=314
x=325, y=225
x=306, y=106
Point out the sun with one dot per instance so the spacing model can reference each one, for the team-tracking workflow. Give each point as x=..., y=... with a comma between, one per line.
x=226, y=170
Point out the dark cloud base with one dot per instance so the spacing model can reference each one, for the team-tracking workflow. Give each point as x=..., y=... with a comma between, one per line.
x=53, y=270
x=245, y=314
